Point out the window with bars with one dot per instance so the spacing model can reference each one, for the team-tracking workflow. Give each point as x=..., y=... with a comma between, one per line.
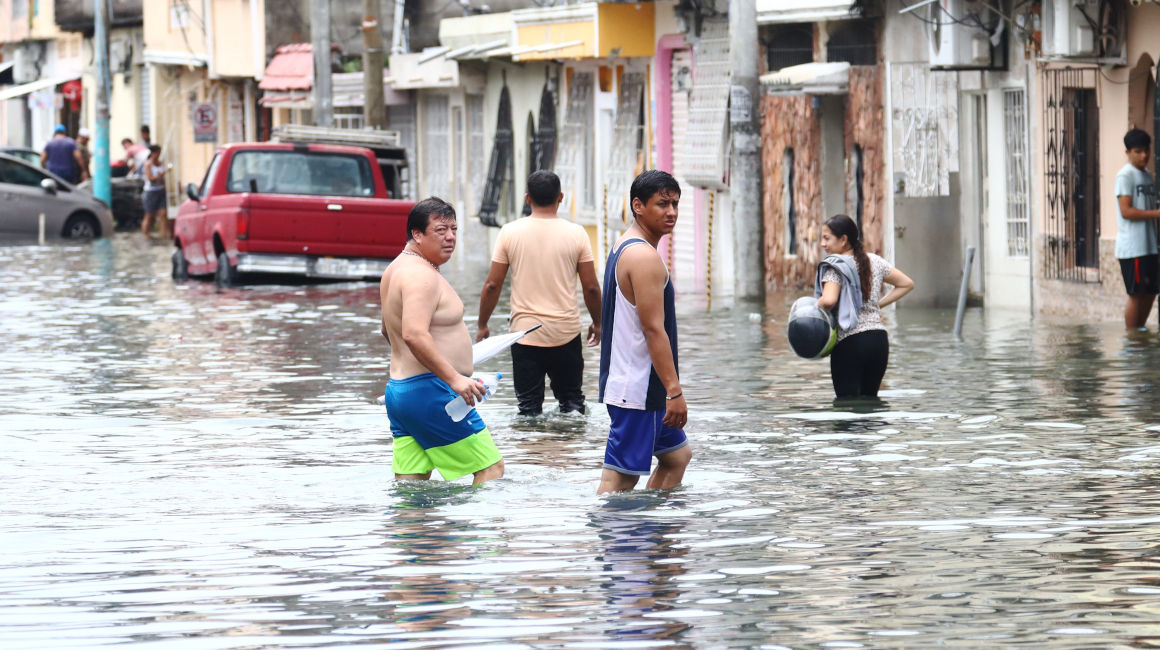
x=475, y=170
x=1071, y=175
x=348, y=117
x=436, y=147
x=787, y=176
x=1018, y=212
x=788, y=45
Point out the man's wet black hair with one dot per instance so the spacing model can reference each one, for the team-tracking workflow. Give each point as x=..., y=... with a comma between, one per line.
x=649, y=183
x=543, y=188
x=420, y=215
x=1137, y=139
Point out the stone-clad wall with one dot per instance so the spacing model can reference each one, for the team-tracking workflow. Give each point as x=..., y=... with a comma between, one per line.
x=1103, y=300
x=791, y=122
x=866, y=127
x=794, y=121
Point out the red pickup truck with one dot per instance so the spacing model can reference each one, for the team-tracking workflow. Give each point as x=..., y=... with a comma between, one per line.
x=311, y=210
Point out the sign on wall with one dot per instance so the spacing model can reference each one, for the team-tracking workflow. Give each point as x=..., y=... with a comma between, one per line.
x=205, y=123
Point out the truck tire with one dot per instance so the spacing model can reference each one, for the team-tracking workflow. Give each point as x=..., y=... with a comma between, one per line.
x=180, y=266
x=225, y=276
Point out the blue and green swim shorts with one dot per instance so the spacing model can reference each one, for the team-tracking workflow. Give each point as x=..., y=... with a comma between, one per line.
x=426, y=438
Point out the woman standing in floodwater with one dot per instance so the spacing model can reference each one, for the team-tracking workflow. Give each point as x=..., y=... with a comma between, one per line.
x=859, y=360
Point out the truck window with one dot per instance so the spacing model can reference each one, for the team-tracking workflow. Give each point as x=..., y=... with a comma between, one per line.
x=210, y=172
x=300, y=172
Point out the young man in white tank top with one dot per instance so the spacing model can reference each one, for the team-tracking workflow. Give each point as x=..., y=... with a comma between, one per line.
x=639, y=380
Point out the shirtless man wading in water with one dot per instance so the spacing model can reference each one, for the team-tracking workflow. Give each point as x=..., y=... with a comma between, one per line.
x=431, y=359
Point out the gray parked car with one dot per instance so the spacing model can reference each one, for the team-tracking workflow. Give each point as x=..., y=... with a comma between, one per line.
x=26, y=192
x=29, y=156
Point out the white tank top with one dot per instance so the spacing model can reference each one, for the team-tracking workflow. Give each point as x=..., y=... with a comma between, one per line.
x=159, y=184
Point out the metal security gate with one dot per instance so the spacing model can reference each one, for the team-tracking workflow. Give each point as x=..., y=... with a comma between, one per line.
x=1018, y=213
x=501, y=169
x=1071, y=171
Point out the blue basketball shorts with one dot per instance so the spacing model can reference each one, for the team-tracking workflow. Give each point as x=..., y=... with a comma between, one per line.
x=635, y=437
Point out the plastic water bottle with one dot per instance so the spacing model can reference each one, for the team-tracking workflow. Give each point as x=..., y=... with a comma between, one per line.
x=457, y=409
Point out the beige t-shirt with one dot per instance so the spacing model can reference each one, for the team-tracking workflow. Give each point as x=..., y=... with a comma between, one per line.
x=543, y=255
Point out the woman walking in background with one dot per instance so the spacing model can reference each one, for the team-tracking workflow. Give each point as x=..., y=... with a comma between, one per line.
x=153, y=197
x=859, y=360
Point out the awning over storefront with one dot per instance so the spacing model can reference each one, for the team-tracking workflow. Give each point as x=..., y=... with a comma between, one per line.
x=348, y=90
x=31, y=87
x=589, y=30
x=292, y=68
x=804, y=11
x=809, y=78
x=475, y=37
x=427, y=69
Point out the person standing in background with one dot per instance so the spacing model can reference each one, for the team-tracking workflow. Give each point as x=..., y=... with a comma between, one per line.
x=1136, y=231
x=146, y=139
x=546, y=255
x=61, y=156
x=86, y=155
x=153, y=197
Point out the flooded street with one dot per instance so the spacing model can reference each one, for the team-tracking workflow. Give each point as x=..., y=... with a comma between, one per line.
x=187, y=468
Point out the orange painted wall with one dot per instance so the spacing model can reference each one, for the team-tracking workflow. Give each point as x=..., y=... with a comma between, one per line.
x=630, y=27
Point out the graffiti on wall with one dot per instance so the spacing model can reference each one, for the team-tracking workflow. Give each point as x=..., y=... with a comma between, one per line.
x=924, y=119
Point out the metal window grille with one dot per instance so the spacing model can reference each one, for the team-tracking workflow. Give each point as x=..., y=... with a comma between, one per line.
x=854, y=42
x=401, y=118
x=1018, y=213
x=1071, y=171
x=787, y=45
x=348, y=117
x=437, y=149
x=501, y=168
x=574, y=158
x=475, y=145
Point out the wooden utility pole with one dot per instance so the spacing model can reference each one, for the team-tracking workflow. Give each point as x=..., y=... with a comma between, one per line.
x=320, y=41
x=374, y=110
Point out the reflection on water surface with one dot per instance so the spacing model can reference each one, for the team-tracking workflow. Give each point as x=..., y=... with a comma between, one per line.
x=187, y=468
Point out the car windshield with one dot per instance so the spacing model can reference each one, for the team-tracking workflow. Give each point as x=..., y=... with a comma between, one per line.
x=300, y=172
x=17, y=174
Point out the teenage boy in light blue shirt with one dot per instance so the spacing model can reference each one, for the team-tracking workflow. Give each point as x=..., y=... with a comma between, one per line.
x=1136, y=245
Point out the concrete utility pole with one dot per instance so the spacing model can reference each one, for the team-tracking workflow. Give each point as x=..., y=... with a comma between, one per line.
x=102, y=181
x=374, y=110
x=745, y=159
x=320, y=40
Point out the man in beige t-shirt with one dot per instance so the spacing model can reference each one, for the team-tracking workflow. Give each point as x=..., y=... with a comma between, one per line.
x=546, y=255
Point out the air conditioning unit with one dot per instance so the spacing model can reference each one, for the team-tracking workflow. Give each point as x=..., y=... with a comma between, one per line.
x=1069, y=28
x=25, y=68
x=961, y=34
x=1086, y=29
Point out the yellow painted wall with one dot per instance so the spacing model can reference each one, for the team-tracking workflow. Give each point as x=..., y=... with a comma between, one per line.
x=159, y=36
x=179, y=89
x=43, y=20
x=557, y=33
x=234, y=35
x=630, y=27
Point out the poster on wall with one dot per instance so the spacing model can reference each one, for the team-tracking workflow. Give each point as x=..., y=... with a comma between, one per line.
x=205, y=123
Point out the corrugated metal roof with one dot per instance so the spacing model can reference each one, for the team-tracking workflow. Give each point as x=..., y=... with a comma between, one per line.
x=291, y=68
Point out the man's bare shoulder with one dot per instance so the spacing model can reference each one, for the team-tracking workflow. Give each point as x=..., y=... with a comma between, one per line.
x=408, y=277
x=640, y=256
